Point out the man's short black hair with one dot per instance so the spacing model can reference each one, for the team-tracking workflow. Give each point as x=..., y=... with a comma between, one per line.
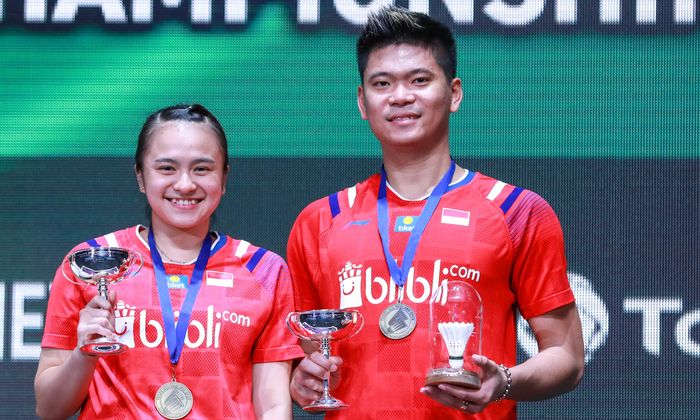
x=396, y=25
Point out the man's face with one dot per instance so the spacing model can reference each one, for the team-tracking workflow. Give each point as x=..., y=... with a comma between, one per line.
x=406, y=97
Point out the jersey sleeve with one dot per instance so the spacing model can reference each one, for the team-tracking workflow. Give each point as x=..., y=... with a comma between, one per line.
x=276, y=342
x=66, y=299
x=539, y=276
x=303, y=256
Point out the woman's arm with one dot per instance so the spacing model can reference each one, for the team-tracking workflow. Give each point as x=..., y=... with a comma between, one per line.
x=63, y=376
x=62, y=381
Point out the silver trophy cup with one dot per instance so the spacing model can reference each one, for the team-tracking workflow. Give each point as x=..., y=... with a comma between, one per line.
x=102, y=267
x=322, y=326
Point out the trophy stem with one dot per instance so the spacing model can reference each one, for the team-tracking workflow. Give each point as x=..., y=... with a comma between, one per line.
x=326, y=402
x=102, y=287
x=326, y=347
x=326, y=350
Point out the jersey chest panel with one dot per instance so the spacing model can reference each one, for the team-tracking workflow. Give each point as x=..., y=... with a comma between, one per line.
x=473, y=247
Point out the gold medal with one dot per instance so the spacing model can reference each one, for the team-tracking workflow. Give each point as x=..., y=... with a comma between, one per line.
x=397, y=321
x=174, y=400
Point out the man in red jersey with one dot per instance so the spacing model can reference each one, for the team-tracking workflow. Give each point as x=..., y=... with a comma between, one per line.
x=391, y=240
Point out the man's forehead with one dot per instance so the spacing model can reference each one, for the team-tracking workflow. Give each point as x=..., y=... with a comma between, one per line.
x=402, y=58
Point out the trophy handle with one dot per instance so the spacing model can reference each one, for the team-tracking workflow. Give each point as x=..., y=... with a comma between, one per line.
x=359, y=323
x=136, y=262
x=292, y=322
x=65, y=261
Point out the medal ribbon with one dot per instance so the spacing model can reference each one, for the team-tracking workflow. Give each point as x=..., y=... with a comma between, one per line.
x=400, y=275
x=175, y=333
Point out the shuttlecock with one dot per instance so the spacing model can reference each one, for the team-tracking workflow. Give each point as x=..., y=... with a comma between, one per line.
x=456, y=335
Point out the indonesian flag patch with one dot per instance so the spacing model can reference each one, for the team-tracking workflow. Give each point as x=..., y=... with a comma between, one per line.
x=454, y=217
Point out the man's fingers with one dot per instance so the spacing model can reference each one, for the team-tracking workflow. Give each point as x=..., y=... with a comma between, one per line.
x=315, y=365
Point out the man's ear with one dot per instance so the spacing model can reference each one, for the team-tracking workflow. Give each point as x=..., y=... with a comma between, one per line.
x=361, y=102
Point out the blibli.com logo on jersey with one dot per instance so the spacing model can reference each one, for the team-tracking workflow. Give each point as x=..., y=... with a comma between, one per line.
x=198, y=334
x=374, y=290
x=405, y=224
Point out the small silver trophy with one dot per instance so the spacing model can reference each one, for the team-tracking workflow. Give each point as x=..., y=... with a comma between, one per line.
x=324, y=325
x=101, y=267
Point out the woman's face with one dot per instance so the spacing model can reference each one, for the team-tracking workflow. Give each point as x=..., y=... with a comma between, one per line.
x=183, y=175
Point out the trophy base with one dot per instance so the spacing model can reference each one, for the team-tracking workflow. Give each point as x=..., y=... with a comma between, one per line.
x=463, y=378
x=104, y=347
x=329, y=404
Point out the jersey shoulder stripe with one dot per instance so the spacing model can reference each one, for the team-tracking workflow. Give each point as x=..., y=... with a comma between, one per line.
x=349, y=194
x=334, y=205
x=520, y=207
x=255, y=259
x=500, y=193
x=510, y=199
x=117, y=239
x=265, y=266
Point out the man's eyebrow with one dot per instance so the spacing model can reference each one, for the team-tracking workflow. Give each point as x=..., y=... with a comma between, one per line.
x=408, y=73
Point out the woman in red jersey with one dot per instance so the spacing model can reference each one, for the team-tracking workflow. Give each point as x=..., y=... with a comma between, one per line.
x=203, y=320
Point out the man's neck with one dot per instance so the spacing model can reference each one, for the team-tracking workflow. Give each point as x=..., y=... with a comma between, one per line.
x=414, y=178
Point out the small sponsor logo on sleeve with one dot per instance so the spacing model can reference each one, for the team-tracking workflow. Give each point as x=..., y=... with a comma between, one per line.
x=219, y=279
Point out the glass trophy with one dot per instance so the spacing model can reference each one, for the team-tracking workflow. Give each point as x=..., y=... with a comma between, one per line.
x=102, y=267
x=324, y=326
x=455, y=335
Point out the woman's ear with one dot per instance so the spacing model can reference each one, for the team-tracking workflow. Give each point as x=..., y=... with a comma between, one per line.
x=226, y=171
x=139, y=180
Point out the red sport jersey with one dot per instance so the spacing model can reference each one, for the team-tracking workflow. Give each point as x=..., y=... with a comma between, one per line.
x=237, y=320
x=504, y=241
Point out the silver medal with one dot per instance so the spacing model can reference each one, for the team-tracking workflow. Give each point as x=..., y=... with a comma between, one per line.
x=173, y=400
x=397, y=321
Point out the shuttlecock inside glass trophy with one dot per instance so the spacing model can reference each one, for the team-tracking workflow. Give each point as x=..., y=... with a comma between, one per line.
x=455, y=335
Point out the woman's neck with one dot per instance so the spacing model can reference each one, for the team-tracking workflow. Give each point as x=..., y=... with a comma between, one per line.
x=178, y=245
